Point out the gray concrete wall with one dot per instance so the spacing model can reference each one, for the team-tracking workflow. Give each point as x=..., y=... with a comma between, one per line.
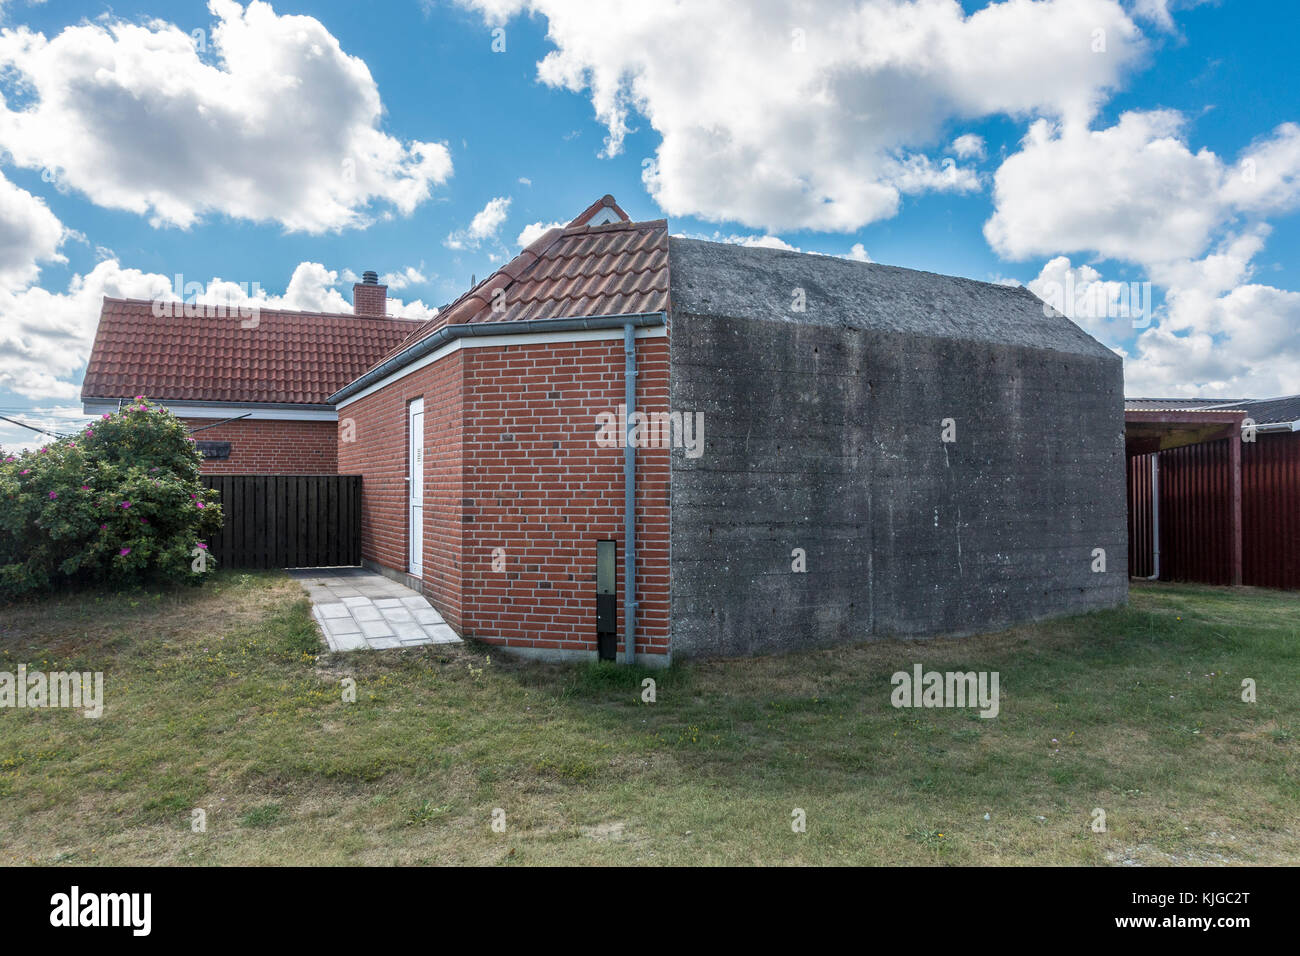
x=827, y=438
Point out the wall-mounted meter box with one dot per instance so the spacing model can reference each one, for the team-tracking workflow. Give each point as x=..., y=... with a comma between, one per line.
x=606, y=600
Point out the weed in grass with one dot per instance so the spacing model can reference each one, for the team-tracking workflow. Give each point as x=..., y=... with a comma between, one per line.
x=426, y=812
x=267, y=815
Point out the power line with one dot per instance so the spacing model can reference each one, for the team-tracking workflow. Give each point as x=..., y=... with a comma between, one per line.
x=41, y=431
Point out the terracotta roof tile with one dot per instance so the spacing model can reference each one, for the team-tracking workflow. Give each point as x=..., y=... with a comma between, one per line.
x=615, y=268
x=290, y=357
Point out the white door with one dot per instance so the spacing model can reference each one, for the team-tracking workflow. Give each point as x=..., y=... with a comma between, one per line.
x=415, y=486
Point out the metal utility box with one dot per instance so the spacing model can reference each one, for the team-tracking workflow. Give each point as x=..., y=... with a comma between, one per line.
x=606, y=600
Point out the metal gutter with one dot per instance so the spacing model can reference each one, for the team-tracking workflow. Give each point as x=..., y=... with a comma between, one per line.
x=449, y=333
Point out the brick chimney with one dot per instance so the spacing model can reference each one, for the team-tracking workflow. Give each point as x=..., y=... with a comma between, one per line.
x=368, y=296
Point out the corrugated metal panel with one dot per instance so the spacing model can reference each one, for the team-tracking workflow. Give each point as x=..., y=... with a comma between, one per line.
x=1270, y=510
x=1195, y=528
x=1141, y=560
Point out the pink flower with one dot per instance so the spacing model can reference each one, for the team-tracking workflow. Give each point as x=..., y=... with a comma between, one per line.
x=53, y=495
x=203, y=546
x=85, y=487
x=10, y=458
x=90, y=433
x=126, y=504
x=124, y=552
x=25, y=471
x=200, y=504
x=103, y=527
x=139, y=398
x=106, y=415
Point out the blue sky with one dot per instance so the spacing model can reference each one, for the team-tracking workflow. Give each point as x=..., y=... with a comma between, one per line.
x=841, y=144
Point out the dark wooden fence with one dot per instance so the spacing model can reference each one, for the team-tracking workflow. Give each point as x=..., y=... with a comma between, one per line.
x=288, y=521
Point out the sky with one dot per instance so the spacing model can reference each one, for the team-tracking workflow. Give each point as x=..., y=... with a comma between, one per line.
x=1134, y=162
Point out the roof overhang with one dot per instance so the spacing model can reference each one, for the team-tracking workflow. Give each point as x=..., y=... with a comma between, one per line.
x=1152, y=431
x=267, y=411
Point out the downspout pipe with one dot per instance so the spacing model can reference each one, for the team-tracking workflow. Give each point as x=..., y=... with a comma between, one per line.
x=1155, y=517
x=629, y=496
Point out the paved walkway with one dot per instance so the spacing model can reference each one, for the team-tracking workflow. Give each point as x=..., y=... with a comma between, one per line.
x=358, y=609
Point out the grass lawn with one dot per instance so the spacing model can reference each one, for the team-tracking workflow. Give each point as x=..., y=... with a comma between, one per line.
x=224, y=699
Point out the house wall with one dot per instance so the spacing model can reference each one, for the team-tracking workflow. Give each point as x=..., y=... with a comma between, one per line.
x=512, y=462
x=270, y=447
x=829, y=440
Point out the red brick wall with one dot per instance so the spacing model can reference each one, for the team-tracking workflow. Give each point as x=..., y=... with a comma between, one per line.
x=531, y=481
x=538, y=486
x=268, y=447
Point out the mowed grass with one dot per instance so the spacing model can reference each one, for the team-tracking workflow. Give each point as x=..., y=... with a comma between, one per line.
x=222, y=699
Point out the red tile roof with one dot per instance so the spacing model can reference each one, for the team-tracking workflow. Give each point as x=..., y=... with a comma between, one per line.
x=290, y=357
x=617, y=268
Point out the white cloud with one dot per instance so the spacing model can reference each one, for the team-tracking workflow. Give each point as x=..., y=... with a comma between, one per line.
x=810, y=115
x=1160, y=12
x=29, y=234
x=312, y=288
x=415, y=309
x=534, y=231
x=757, y=242
x=1137, y=192
x=482, y=227
x=1134, y=191
x=1221, y=332
x=969, y=146
x=857, y=253
x=918, y=174
x=1241, y=344
x=400, y=280
x=274, y=122
x=1107, y=309
x=45, y=336
x=1217, y=334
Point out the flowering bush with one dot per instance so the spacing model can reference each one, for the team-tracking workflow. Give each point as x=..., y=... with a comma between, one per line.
x=120, y=502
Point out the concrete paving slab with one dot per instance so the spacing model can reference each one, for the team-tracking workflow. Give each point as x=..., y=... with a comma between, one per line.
x=360, y=610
